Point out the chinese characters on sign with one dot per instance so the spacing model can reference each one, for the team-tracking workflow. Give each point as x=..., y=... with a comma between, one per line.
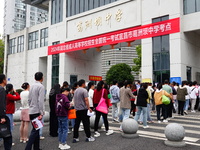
x=125, y=35
x=95, y=78
x=99, y=21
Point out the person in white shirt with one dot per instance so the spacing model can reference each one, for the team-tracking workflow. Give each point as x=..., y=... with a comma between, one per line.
x=90, y=94
x=25, y=120
x=193, y=96
x=187, y=97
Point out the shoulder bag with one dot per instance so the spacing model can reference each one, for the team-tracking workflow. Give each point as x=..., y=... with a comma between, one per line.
x=165, y=99
x=102, y=106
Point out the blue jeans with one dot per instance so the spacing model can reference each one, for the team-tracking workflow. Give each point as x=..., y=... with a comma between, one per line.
x=148, y=114
x=41, y=129
x=62, y=129
x=10, y=116
x=34, y=138
x=139, y=110
x=187, y=102
x=125, y=113
x=114, y=111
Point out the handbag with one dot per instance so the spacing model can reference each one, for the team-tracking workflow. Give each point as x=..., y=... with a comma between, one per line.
x=165, y=99
x=72, y=114
x=102, y=106
x=5, y=128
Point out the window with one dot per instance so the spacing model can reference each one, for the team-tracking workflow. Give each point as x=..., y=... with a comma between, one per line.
x=33, y=40
x=191, y=6
x=20, y=44
x=161, y=56
x=55, y=67
x=78, y=6
x=44, y=37
x=12, y=46
x=189, y=73
x=57, y=11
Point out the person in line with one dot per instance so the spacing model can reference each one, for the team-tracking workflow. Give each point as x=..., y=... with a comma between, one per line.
x=62, y=108
x=3, y=118
x=98, y=93
x=72, y=121
x=25, y=120
x=149, y=119
x=158, y=102
x=36, y=109
x=169, y=107
x=91, y=93
x=81, y=104
x=115, y=99
x=125, y=100
x=174, y=97
x=153, y=101
x=133, y=106
x=181, y=93
x=53, y=120
x=142, y=104
x=193, y=96
x=187, y=98
x=11, y=97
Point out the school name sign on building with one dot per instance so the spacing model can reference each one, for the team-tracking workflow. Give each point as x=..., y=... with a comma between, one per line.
x=112, y=38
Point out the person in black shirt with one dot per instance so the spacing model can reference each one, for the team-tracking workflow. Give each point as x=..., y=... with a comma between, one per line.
x=3, y=118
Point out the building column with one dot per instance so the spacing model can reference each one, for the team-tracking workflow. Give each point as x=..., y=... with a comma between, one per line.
x=147, y=62
x=25, y=54
x=6, y=49
x=176, y=68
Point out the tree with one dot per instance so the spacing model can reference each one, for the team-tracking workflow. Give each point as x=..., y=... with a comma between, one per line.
x=1, y=54
x=120, y=73
x=138, y=61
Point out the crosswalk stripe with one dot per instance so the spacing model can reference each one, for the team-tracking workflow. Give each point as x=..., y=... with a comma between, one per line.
x=179, y=120
x=155, y=134
x=184, y=125
x=190, y=139
x=180, y=117
x=158, y=138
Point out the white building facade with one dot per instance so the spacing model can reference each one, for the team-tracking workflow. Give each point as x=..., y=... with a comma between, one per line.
x=18, y=15
x=68, y=47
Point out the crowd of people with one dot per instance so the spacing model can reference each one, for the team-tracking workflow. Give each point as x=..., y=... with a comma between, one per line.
x=125, y=98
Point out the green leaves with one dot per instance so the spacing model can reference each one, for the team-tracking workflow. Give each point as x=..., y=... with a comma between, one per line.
x=120, y=73
x=138, y=61
x=1, y=54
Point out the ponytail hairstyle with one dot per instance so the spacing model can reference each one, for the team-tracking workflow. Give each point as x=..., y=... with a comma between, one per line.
x=90, y=84
x=9, y=88
x=25, y=86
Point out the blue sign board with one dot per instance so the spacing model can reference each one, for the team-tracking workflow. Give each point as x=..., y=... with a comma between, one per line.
x=175, y=79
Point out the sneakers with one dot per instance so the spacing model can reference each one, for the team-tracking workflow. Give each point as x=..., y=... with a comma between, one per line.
x=109, y=132
x=80, y=129
x=115, y=120
x=165, y=121
x=60, y=145
x=91, y=139
x=185, y=112
x=96, y=134
x=159, y=121
x=75, y=140
x=193, y=111
x=64, y=147
x=42, y=138
x=145, y=127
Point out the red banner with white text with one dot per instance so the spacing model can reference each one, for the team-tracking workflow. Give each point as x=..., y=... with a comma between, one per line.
x=125, y=35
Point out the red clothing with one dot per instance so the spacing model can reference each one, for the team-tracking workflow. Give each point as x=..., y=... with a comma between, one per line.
x=133, y=91
x=97, y=97
x=10, y=102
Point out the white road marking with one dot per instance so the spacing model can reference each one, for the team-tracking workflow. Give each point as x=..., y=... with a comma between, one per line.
x=189, y=139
